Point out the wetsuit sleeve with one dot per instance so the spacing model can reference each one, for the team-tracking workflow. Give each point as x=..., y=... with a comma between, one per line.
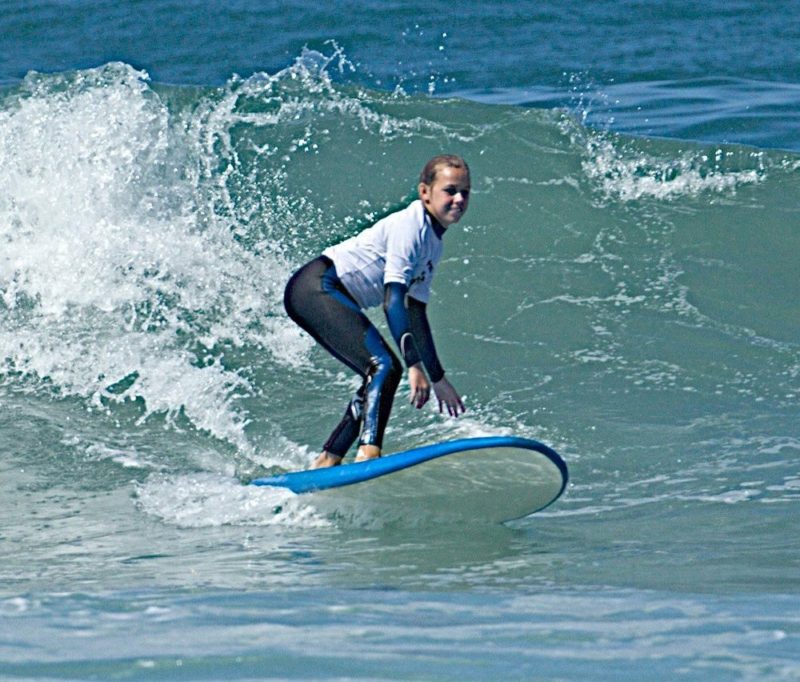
x=394, y=305
x=421, y=331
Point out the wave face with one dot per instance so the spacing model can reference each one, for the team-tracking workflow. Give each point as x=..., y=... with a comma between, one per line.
x=630, y=301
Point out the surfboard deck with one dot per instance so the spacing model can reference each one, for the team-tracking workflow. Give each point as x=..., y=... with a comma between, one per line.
x=493, y=478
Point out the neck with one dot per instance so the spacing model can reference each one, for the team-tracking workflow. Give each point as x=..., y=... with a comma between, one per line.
x=438, y=228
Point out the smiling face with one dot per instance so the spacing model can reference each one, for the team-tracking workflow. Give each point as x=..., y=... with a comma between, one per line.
x=447, y=197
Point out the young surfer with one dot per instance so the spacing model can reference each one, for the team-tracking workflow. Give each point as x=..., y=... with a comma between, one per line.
x=391, y=263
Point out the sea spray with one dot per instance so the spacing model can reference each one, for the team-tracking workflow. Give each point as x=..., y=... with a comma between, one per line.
x=118, y=282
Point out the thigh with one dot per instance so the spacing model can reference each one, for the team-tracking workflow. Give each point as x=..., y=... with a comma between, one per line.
x=332, y=318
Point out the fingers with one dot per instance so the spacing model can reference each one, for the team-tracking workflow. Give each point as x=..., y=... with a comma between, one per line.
x=454, y=407
x=446, y=395
x=420, y=388
x=420, y=396
x=450, y=399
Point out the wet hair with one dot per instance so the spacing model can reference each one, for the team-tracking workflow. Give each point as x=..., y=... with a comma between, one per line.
x=428, y=174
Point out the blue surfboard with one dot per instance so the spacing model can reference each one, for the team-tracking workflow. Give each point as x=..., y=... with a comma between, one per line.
x=493, y=478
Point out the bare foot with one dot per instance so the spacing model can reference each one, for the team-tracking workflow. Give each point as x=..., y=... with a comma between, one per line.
x=366, y=452
x=326, y=459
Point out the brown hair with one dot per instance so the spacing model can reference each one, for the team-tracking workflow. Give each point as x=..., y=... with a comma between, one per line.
x=428, y=174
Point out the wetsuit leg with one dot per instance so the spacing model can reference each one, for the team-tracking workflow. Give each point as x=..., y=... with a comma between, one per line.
x=348, y=429
x=317, y=301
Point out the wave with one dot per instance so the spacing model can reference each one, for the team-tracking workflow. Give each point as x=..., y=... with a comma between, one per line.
x=148, y=230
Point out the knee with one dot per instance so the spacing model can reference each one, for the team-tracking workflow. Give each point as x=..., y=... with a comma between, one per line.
x=386, y=370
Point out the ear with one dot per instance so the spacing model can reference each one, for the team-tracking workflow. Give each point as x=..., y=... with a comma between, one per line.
x=424, y=192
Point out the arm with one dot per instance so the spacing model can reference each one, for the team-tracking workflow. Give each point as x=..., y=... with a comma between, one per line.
x=409, y=325
x=421, y=331
x=394, y=305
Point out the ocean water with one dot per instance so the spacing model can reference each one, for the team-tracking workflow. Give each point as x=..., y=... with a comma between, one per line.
x=623, y=288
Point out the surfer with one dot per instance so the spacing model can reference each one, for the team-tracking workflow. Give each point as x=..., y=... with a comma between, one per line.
x=390, y=263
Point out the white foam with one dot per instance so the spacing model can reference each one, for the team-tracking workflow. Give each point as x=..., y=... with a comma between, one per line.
x=121, y=273
x=631, y=177
x=625, y=171
x=207, y=500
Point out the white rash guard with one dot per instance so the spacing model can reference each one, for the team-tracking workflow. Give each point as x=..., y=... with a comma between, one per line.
x=402, y=247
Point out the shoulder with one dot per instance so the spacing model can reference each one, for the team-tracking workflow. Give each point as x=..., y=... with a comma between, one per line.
x=411, y=221
x=412, y=215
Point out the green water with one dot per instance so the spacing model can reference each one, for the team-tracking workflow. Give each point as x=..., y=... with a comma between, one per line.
x=629, y=302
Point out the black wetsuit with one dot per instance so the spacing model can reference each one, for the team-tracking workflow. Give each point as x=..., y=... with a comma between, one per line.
x=316, y=299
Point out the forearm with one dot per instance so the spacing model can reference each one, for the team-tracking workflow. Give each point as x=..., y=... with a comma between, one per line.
x=394, y=306
x=423, y=337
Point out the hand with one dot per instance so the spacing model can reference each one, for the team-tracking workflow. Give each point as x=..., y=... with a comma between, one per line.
x=420, y=386
x=448, y=397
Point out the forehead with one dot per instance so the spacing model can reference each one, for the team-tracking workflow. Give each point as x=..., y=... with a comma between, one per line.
x=450, y=175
